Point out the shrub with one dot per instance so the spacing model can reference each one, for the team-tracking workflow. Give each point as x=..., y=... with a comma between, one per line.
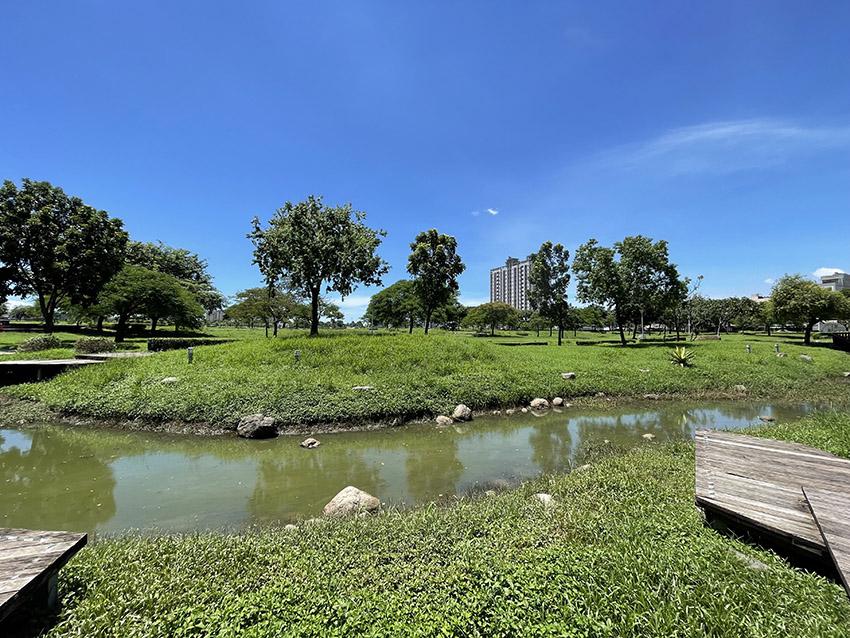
x=178, y=343
x=682, y=357
x=39, y=343
x=93, y=345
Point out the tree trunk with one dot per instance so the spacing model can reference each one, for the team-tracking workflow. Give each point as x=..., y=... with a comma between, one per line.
x=428, y=321
x=100, y=324
x=538, y=332
x=154, y=323
x=274, y=330
x=47, y=308
x=642, y=333
x=622, y=334
x=492, y=329
x=560, y=334
x=314, y=312
x=767, y=327
x=807, y=335
x=121, y=328
x=634, y=331
x=410, y=329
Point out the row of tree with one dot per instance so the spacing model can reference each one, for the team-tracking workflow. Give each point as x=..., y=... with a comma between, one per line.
x=79, y=262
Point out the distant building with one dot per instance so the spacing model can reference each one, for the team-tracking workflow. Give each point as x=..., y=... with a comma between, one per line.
x=214, y=316
x=760, y=298
x=509, y=283
x=836, y=281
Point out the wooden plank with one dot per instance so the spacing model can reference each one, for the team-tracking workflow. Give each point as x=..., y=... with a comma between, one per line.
x=28, y=559
x=47, y=363
x=831, y=511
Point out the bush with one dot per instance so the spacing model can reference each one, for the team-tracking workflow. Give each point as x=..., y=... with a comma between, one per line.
x=94, y=345
x=178, y=343
x=39, y=343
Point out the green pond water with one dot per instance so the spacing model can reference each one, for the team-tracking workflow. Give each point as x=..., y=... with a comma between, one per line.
x=97, y=480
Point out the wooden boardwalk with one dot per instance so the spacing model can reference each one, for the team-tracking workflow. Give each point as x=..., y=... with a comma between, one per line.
x=764, y=484
x=20, y=370
x=29, y=564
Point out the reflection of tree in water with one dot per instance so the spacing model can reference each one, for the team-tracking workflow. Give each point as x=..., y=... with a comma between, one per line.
x=431, y=472
x=551, y=447
x=56, y=484
x=305, y=481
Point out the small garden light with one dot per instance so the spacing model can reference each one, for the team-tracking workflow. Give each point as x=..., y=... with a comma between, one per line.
x=749, y=348
x=297, y=356
x=190, y=353
x=776, y=348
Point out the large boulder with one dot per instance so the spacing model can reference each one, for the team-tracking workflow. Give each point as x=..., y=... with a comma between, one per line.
x=351, y=501
x=462, y=413
x=557, y=401
x=539, y=404
x=444, y=420
x=256, y=426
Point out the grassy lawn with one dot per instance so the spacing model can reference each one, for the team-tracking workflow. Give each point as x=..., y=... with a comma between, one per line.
x=415, y=376
x=623, y=553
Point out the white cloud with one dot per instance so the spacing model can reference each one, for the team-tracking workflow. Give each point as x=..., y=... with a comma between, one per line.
x=493, y=211
x=473, y=301
x=823, y=272
x=476, y=213
x=770, y=281
x=726, y=147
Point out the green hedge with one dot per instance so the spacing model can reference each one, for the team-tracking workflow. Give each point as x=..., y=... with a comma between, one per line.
x=178, y=343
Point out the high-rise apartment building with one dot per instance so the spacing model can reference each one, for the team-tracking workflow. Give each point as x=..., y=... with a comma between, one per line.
x=836, y=281
x=509, y=283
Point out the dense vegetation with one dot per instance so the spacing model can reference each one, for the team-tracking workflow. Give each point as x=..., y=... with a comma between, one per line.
x=420, y=376
x=623, y=553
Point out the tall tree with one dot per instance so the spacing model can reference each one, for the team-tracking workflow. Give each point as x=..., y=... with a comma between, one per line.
x=309, y=245
x=799, y=300
x=435, y=267
x=395, y=306
x=548, y=282
x=183, y=264
x=56, y=247
x=270, y=307
x=491, y=315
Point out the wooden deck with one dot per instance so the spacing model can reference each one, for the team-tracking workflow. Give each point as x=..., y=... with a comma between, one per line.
x=22, y=370
x=763, y=485
x=109, y=356
x=29, y=563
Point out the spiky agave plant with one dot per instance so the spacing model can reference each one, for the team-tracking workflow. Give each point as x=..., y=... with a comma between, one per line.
x=682, y=357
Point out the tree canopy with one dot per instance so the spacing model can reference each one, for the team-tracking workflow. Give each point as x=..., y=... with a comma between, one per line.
x=548, y=282
x=435, y=266
x=801, y=301
x=395, y=306
x=492, y=315
x=55, y=247
x=309, y=245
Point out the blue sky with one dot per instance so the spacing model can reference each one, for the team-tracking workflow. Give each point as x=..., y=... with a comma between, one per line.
x=723, y=127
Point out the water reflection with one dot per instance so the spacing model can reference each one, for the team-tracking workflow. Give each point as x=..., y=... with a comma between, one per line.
x=100, y=480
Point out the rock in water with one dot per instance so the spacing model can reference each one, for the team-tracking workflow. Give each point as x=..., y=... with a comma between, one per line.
x=546, y=499
x=256, y=426
x=568, y=375
x=444, y=420
x=462, y=413
x=351, y=501
x=310, y=443
x=557, y=401
x=539, y=404
x=767, y=419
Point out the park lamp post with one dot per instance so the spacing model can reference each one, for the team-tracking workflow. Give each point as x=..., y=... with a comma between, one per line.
x=190, y=353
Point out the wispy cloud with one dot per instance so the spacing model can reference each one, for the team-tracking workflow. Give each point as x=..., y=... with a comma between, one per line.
x=823, y=272
x=492, y=211
x=770, y=281
x=726, y=147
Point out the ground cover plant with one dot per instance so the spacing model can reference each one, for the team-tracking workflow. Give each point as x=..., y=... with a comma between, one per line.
x=623, y=553
x=413, y=376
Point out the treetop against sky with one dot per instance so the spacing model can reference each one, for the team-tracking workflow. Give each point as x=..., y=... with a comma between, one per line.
x=720, y=127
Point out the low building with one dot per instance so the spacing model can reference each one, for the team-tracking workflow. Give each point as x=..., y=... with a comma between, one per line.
x=836, y=281
x=760, y=298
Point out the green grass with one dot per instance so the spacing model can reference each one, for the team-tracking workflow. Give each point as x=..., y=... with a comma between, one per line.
x=420, y=376
x=624, y=553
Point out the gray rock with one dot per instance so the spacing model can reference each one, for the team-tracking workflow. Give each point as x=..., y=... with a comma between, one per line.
x=490, y=493
x=546, y=499
x=496, y=412
x=582, y=468
x=741, y=389
x=169, y=380
x=290, y=527
x=806, y=358
x=351, y=501
x=652, y=397
x=444, y=420
x=511, y=410
x=524, y=410
x=363, y=388
x=568, y=375
x=767, y=418
x=643, y=369
x=462, y=413
x=557, y=401
x=847, y=375
x=600, y=395
x=539, y=404
x=256, y=426
x=310, y=443
x=648, y=436
x=781, y=355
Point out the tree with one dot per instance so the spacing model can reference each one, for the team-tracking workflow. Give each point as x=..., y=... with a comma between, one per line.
x=491, y=315
x=55, y=247
x=799, y=300
x=449, y=315
x=548, y=282
x=395, y=306
x=270, y=307
x=632, y=279
x=435, y=267
x=309, y=245
x=186, y=266
x=25, y=313
x=141, y=291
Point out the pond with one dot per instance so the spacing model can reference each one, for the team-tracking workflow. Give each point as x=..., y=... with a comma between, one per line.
x=99, y=480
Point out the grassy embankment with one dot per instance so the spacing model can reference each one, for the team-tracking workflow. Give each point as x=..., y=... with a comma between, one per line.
x=623, y=553
x=418, y=376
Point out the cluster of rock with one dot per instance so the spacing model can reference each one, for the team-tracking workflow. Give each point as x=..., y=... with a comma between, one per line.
x=256, y=426
x=460, y=414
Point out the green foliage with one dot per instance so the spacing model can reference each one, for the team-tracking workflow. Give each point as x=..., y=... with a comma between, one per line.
x=801, y=301
x=827, y=430
x=492, y=315
x=93, y=345
x=309, y=245
x=682, y=357
x=395, y=306
x=161, y=344
x=435, y=266
x=548, y=281
x=268, y=306
x=417, y=376
x=55, y=247
x=40, y=343
x=624, y=553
